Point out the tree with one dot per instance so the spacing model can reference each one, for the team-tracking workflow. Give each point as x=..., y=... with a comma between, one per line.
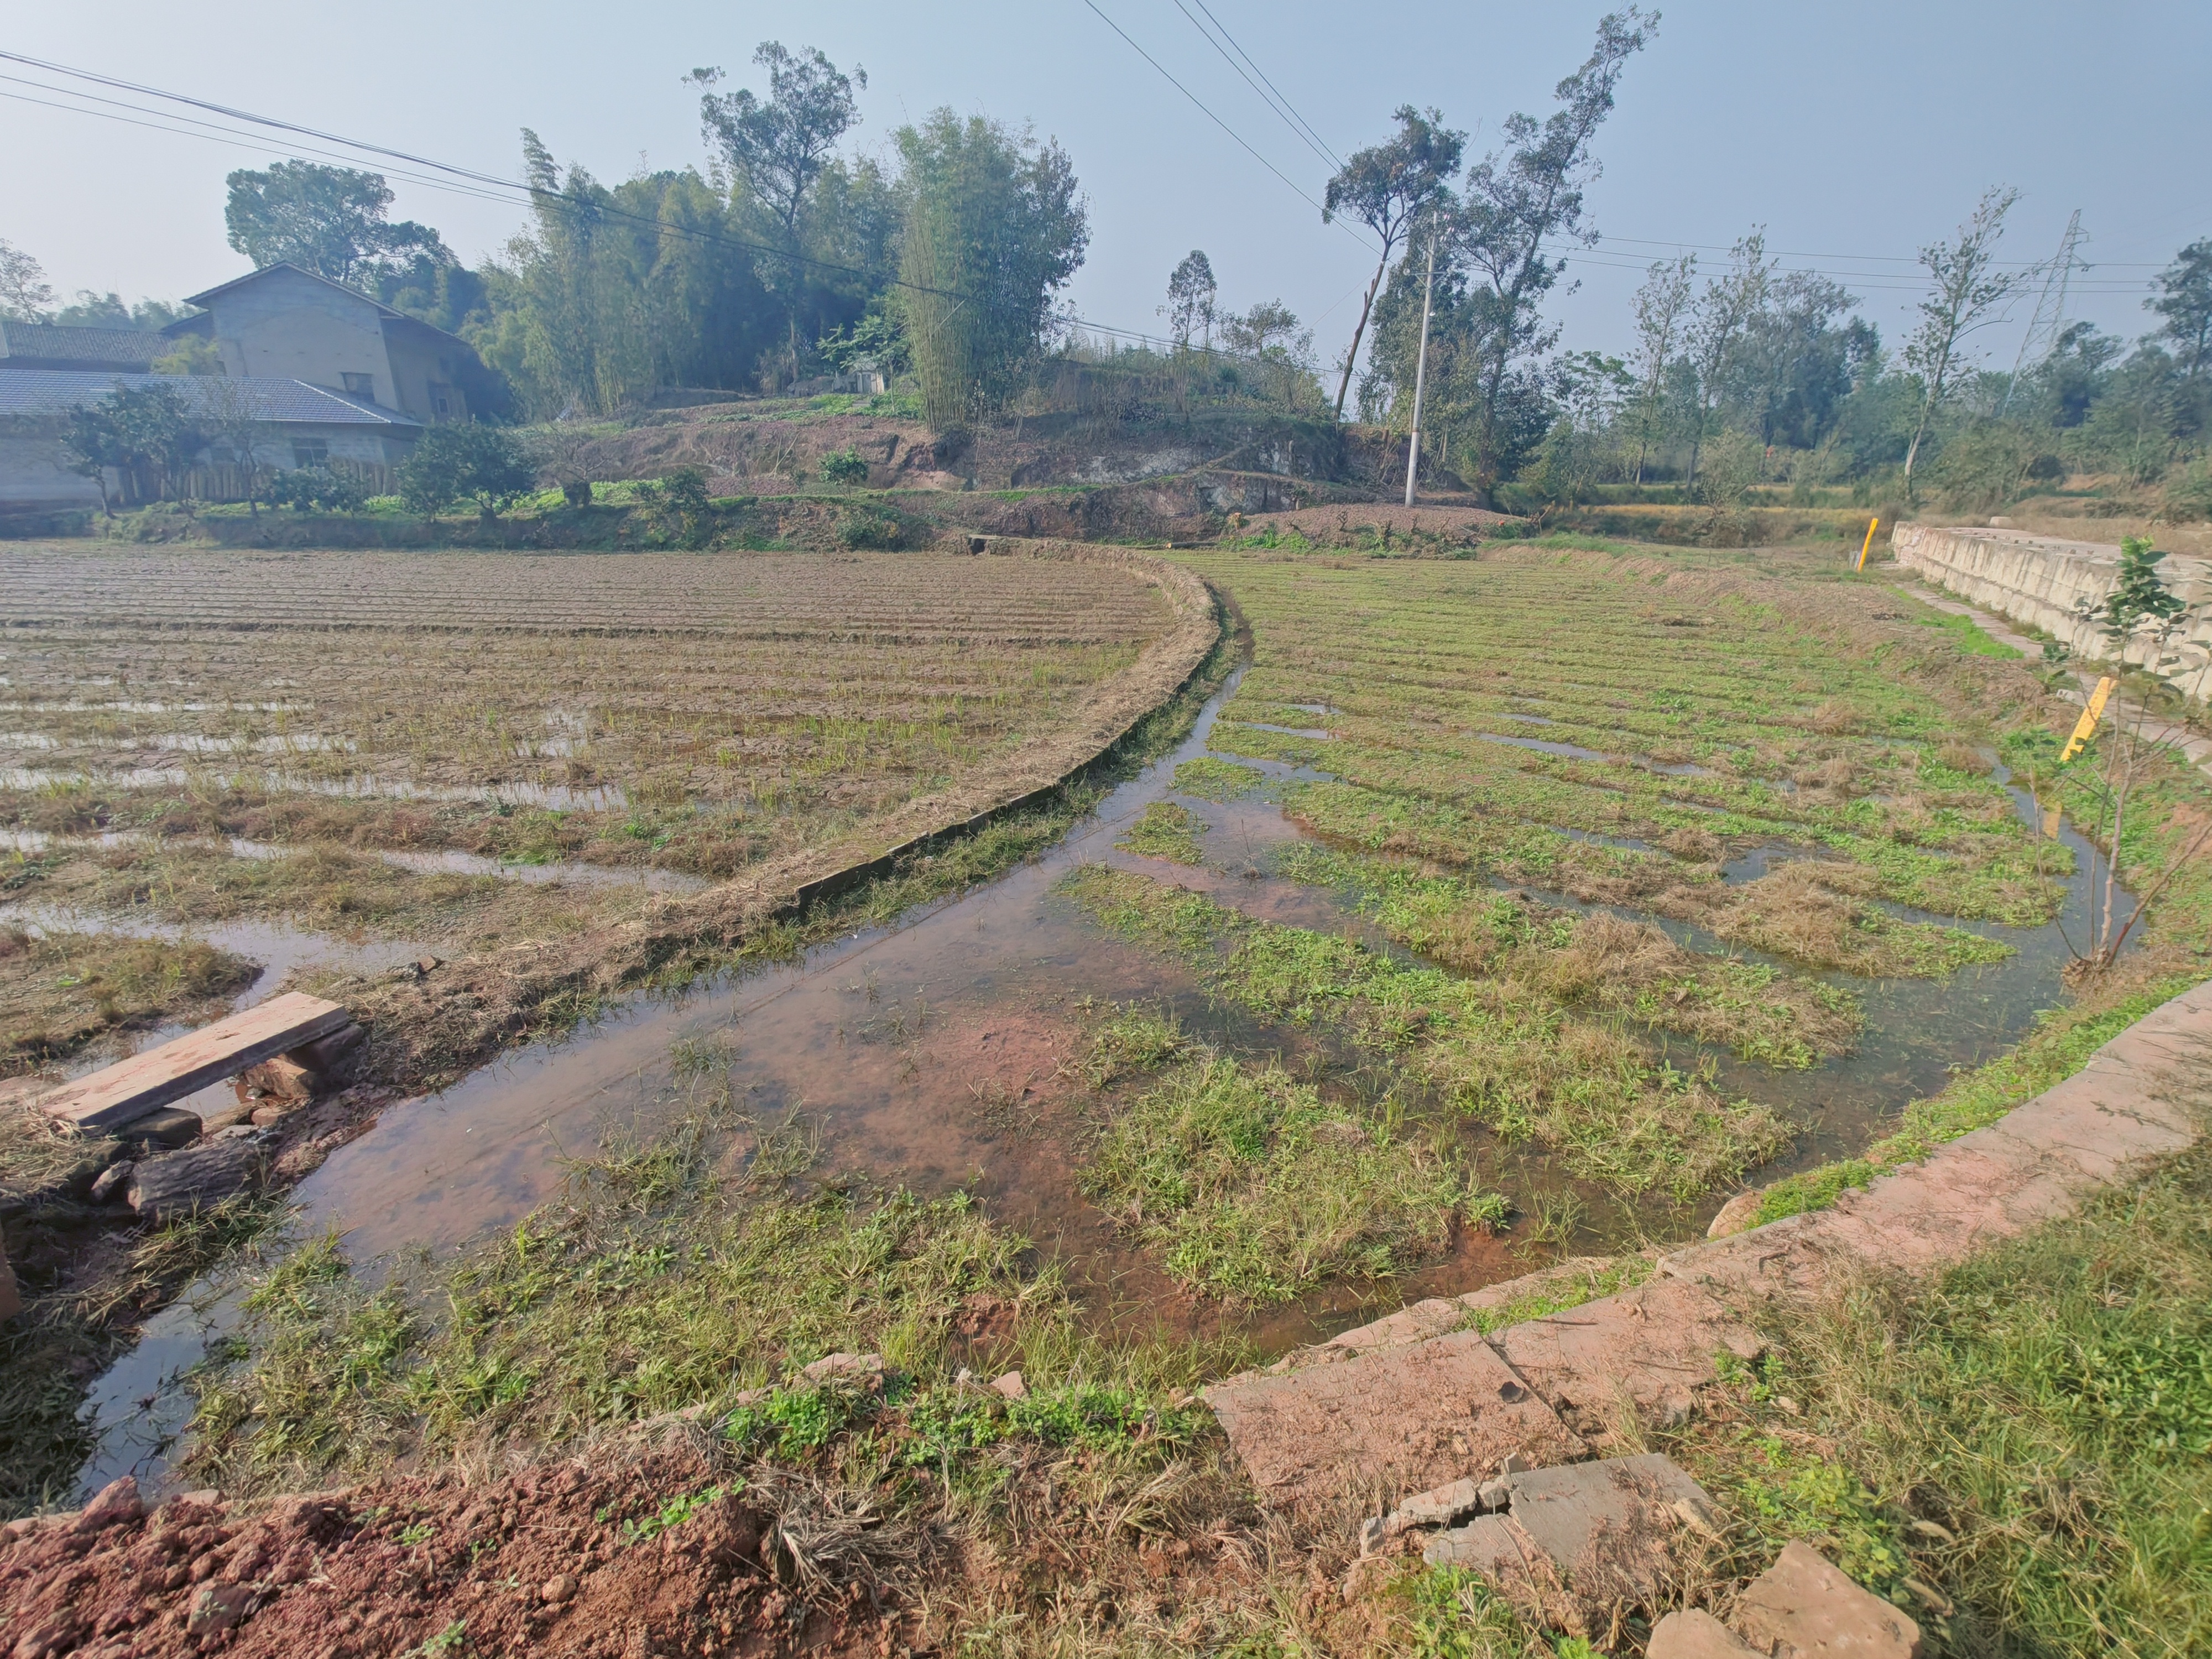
x=90, y=310
x=780, y=148
x=484, y=465
x=1967, y=289
x=1270, y=333
x=1191, y=292
x=1516, y=207
x=991, y=227
x=612, y=295
x=2184, y=300
x=1726, y=313
x=1662, y=314
x=332, y=221
x=143, y=433
x=25, y=293
x=1387, y=187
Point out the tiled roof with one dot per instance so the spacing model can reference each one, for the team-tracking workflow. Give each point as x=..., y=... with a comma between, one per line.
x=45, y=392
x=81, y=345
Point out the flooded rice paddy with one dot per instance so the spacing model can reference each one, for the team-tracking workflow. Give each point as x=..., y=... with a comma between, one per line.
x=939, y=1052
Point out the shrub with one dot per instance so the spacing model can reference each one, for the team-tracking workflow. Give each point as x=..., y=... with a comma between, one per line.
x=864, y=530
x=844, y=466
x=481, y=465
x=305, y=489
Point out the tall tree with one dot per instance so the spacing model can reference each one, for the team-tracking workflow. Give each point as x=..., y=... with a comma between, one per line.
x=1192, y=292
x=1967, y=290
x=1387, y=187
x=992, y=227
x=335, y=221
x=1516, y=206
x=25, y=293
x=1728, y=311
x=2184, y=300
x=780, y=147
x=1662, y=316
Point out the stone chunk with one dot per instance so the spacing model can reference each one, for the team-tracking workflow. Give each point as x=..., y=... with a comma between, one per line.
x=217, y=1608
x=1420, y=1416
x=865, y=1369
x=165, y=1130
x=1011, y=1385
x=1437, y=1508
x=1736, y=1216
x=1582, y=1542
x=1695, y=1634
x=116, y=1502
x=1804, y=1606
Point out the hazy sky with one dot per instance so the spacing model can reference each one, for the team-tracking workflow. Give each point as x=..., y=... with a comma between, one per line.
x=1855, y=134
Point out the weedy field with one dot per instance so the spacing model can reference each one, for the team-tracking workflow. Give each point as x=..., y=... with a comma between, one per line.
x=1561, y=877
x=407, y=725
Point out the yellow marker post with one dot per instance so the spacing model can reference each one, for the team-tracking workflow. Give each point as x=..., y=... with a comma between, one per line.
x=1866, y=544
x=2086, y=728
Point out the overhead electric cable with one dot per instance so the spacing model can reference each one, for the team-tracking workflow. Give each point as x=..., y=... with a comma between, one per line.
x=1272, y=87
x=1226, y=128
x=489, y=189
x=1288, y=117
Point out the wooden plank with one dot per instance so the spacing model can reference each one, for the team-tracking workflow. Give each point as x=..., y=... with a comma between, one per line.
x=146, y=1082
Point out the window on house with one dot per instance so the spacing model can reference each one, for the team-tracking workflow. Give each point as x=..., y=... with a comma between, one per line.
x=441, y=401
x=359, y=385
x=310, y=451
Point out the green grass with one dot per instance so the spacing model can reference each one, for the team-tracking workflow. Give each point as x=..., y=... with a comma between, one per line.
x=650, y=1286
x=1597, y=962
x=1167, y=830
x=1524, y=1066
x=2027, y=1433
x=1210, y=778
x=1255, y=1189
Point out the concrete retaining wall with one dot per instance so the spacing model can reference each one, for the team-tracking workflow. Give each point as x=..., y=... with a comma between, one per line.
x=2061, y=587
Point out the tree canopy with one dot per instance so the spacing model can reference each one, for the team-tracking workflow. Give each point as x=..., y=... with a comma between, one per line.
x=335, y=221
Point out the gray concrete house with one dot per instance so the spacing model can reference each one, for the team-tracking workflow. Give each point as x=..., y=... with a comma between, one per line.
x=283, y=323
x=298, y=424
x=329, y=374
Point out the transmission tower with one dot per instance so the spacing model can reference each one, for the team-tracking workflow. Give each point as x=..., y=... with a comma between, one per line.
x=2050, y=321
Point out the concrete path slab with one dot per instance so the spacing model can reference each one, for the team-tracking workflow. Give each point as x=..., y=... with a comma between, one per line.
x=1404, y=1420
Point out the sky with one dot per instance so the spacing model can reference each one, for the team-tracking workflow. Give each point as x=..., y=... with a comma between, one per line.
x=1854, y=135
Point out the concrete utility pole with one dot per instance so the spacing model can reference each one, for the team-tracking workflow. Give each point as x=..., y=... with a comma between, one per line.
x=1421, y=372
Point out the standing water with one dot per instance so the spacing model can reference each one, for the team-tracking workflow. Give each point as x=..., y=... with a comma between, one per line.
x=924, y=1052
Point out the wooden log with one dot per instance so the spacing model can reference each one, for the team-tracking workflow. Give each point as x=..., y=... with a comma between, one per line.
x=167, y=1189
x=130, y=1089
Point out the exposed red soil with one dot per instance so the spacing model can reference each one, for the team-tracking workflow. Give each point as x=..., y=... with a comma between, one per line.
x=539, y=1562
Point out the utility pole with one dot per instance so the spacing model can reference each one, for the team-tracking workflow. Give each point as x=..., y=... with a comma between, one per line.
x=1421, y=371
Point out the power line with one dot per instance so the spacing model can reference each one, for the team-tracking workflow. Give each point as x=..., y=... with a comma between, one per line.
x=1273, y=100
x=1226, y=128
x=217, y=134
x=1262, y=74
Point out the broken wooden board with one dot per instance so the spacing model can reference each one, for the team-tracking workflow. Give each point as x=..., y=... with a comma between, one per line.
x=131, y=1088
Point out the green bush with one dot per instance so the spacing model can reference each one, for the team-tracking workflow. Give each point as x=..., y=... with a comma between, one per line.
x=865, y=529
x=316, y=488
x=844, y=466
x=480, y=465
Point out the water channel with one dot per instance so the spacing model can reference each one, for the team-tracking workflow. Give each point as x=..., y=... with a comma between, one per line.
x=933, y=1052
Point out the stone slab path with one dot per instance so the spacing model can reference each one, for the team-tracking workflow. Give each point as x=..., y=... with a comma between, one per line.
x=1396, y=1407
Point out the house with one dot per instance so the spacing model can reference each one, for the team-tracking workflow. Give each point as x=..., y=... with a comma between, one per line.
x=46, y=345
x=283, y=323
x=297, y=425
x=328, y=375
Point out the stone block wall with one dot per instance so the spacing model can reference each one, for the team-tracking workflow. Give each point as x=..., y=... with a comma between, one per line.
x=2061, y=587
